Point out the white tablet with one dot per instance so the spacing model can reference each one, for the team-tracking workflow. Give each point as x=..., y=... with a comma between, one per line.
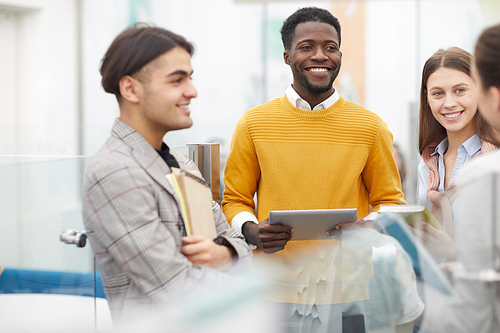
x=312, y=224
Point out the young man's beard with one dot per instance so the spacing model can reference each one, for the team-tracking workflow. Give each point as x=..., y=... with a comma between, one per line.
x=319, y=89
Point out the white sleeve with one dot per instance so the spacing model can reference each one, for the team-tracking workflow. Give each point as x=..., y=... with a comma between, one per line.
x=371, y=217
x=241, y=218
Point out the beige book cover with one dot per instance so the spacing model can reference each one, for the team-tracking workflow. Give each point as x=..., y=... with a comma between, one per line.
x=196, y=198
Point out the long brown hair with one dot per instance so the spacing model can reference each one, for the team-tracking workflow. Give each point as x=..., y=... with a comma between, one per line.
x=429, y=129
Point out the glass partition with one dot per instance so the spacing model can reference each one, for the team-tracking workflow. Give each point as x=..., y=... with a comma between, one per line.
x=41, y=197
x=50, y=281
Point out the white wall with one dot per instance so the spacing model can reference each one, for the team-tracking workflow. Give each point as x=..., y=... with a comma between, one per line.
x=41, y=79
x=226, y=63
x=39, y=110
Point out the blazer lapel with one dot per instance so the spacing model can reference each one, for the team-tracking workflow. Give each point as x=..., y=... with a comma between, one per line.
x=145, y=155
x=155, y=166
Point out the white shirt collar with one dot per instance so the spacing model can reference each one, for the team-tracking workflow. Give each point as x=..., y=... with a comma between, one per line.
x=300, y=103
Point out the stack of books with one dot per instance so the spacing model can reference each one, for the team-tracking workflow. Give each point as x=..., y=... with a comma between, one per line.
x=195, y=198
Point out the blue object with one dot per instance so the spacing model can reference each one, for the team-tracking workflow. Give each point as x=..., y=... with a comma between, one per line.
x=423, y=264
x=50, y=282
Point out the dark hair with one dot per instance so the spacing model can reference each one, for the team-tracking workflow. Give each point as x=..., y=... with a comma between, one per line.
x=487, y=54
x=306, y=14
x=133, y=49
x=430, y=130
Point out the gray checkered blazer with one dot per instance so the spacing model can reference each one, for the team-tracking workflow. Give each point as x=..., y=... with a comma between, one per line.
x=134, y=226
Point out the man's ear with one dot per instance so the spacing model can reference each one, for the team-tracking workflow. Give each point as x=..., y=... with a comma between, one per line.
x=495, y=94
x=286, y=57
x=130, y=89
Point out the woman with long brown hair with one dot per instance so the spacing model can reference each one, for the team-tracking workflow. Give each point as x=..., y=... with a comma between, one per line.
x=451, y=131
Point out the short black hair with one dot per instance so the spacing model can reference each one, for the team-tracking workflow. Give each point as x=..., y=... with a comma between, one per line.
x=133, y=49
x=306, y=14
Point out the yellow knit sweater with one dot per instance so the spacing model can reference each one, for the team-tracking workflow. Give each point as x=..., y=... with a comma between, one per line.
x=340, y=157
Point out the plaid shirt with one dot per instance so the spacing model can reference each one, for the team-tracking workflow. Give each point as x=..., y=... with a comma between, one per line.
x=134, y=225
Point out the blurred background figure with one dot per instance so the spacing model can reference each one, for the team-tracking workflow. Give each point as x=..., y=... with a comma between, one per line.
x=400, y=162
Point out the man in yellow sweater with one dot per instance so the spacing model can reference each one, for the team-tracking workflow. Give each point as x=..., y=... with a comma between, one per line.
x=310, y=149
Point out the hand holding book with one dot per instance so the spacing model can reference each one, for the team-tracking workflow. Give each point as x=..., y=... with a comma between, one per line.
x=203, y=251
x=437, y=242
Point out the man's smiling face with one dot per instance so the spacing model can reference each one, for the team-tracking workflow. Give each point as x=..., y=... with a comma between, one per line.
x=314, y=58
